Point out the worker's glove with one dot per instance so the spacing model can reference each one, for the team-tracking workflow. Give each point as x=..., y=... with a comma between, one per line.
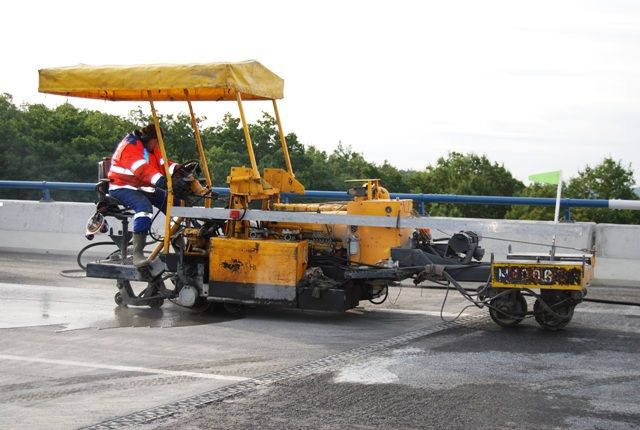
x=162, y=183
x=186, y=169
x=177, y=171
x=181, y=187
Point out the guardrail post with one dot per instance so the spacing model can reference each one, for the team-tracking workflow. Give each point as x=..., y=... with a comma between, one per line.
x=567, y=214
x=422, y=207
x=46, y=193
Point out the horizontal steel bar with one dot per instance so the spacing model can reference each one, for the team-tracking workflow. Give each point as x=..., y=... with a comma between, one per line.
x=624, y=204
x=306, y=217
x=284, y=216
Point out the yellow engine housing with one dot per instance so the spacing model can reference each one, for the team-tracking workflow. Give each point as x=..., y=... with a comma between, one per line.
x=249, y=261
x=375, y=243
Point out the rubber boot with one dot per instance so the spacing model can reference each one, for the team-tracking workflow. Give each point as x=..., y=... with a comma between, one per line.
x=139, y=260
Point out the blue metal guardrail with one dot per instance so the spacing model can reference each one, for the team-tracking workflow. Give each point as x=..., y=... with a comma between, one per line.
x=422, y=199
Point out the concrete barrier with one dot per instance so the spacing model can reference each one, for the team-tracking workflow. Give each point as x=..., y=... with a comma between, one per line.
x=618, y=254
x=58, y=227
x=45, y=227
x=521, y=236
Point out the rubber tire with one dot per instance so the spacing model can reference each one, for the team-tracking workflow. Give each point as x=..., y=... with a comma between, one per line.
x=552, y=322
x=201, y=305
x=118, y=299
x=506, y=321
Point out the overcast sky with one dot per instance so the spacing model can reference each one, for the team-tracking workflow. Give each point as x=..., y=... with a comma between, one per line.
x=536, y=85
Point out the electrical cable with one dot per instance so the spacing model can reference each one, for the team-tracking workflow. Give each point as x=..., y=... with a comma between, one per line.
x=384, y=299
x=398, y=296
x=443, y=304
x=478, y=303
x=524, y=242
x=93, y=245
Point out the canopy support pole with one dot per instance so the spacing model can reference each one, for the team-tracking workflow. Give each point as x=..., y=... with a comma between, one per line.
x=203, y=159
x=247, y=138
x=159, y=246
x=285, y=149
x=167, y=220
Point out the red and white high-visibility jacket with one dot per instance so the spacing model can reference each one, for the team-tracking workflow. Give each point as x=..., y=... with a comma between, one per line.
x=133, y=167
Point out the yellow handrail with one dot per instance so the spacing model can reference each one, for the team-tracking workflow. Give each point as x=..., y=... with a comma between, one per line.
x=247, y=138
x=167, y=221
x=203, y=159
x=285, y=150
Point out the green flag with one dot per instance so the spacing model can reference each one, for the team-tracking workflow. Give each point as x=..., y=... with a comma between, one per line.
x=546, y=177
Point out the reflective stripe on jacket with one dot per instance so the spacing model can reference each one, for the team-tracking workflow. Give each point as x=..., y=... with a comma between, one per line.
x=133, y=167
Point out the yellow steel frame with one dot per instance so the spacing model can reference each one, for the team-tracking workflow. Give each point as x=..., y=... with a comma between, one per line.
x=214, y=81
x=203, y=158
x=254, y=176
x=165, y=159
x=247, y=139
x=285, y=150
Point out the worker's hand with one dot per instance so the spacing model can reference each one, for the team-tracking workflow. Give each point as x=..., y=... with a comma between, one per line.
x=162, y=183
x=177, y=171
x=181, y=187
x=188, y=168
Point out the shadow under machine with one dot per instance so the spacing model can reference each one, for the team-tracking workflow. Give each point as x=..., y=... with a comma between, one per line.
x=260, y=249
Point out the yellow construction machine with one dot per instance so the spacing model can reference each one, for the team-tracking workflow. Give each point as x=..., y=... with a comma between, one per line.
x=320, y=256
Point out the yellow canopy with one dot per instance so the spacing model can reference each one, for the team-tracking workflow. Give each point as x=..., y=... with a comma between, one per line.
x=213, y=81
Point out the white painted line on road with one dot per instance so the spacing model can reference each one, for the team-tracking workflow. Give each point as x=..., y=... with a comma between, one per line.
x=123, y=368
x=416, y=312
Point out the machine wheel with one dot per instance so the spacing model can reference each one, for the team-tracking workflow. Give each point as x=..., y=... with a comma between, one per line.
x=118, y=298
x=508, y=310
x=156, y=303
x=549, y=321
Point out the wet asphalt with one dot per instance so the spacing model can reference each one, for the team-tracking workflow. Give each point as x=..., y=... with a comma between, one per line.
x=70, y=358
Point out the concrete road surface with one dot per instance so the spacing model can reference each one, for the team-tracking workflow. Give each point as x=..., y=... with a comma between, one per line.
x=70, y=358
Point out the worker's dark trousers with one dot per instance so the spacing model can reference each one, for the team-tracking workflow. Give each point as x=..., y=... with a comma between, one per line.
x=141, y=203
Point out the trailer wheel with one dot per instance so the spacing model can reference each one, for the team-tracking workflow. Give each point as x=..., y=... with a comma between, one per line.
x=508, y=310
x=550, y=321
x=118, y=298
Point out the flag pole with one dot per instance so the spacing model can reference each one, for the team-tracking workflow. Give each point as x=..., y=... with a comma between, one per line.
x=557, y=214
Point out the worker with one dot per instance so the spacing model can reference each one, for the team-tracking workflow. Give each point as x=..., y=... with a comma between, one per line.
x=138, y=181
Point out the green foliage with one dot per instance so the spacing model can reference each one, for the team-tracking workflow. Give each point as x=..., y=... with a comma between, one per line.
x=61, y=144
x=65, y=144
x=608, y=180
x=542, y=213
x=468, y=174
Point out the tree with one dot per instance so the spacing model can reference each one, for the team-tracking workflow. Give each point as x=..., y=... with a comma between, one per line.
x=11, y=147
x=60, y=144
x=66, y=143
x=468, y=174
x=315, y=173
x=542, y=213
x=608, y=180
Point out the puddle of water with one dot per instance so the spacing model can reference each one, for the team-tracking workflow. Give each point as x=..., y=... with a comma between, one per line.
x=76, y=308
